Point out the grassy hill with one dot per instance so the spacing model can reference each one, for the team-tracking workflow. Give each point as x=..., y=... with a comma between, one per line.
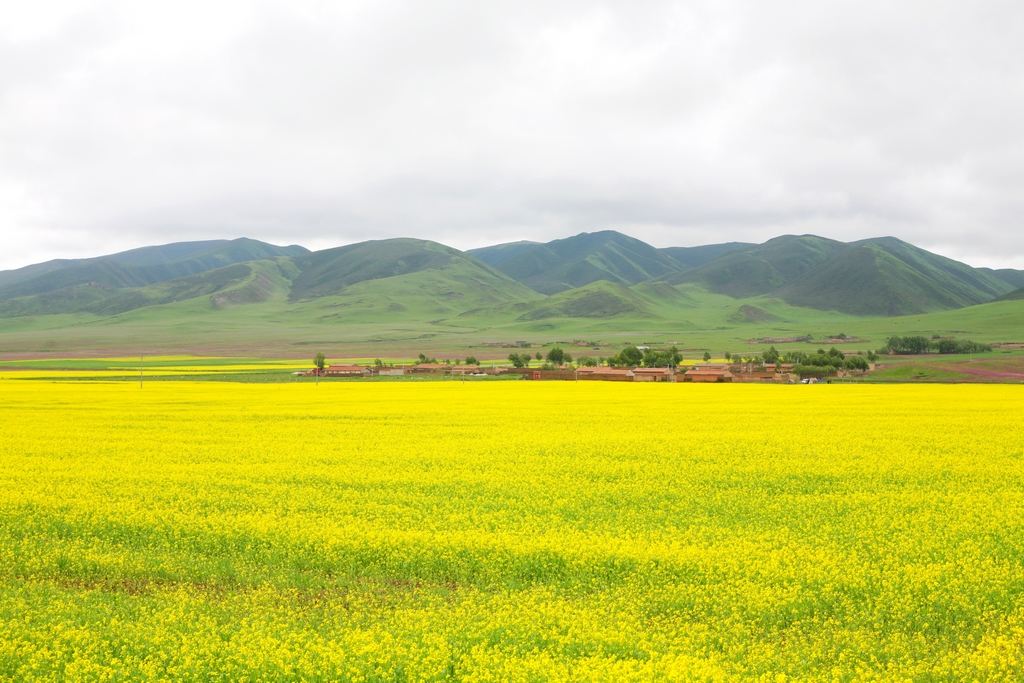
x=763, y=268
x=694, y=257
x=872, y=278
x=90, y=278
x=882, y=276
x=595, y=300
x=230, y=285
x=332, y=270
x=404, y=315
x=409, y=294
x=1014, y=278
x=576, y=261
x=886, y=276
x=1015, y=295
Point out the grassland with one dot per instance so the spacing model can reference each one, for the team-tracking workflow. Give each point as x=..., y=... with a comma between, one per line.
x=510, y=531
x=359, y=323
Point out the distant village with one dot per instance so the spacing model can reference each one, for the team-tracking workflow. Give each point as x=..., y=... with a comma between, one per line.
x=650, y=364
x=697, y=373
x=629, y=366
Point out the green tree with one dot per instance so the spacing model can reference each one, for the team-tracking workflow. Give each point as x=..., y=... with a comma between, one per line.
x=628, y=357
x=856, y=363
x=471, y=360
x=662, y=358
x=556, y=356
x=319, y=361
x=519, y=361
x=707, y=356
x=907, y=345
x=818, y=371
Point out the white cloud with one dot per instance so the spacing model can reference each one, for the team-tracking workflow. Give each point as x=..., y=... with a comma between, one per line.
x=469, y=123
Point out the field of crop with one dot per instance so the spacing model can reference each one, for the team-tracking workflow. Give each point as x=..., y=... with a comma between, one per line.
x=510, y=531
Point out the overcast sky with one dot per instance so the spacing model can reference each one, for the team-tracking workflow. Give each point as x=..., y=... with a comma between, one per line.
x=323, y=123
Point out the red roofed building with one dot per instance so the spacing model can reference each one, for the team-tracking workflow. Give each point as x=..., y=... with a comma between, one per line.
x=652, y=375
x=708, y=374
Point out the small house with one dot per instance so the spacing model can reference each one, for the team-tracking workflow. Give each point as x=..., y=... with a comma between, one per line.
x=652, y=375
x=346, y=371
x=707, y=374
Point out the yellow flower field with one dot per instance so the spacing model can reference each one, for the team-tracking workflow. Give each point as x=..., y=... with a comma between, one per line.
x=498, y=531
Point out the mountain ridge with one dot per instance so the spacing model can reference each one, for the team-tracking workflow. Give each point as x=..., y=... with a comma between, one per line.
x=601, y=274
x=571, y=262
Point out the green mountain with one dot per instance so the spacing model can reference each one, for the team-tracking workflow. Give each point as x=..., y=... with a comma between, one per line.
x=886, y=276
x=597, y=299
x=332, y=270
x=498, y=254
x=230, y=285
x=576, y=261
x=695, y=257
x=406, y=276
x=400, y=279
x=1015, y=295
x=1014, y=278
x=245, y=292
x=762, y=268
x=135, y=268
x=881, y=276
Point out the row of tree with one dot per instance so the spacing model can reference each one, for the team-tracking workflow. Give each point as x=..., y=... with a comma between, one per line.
x=424, y=358
x=916, y=345
x=634, y=356
x=629, y=357
x=556, y=356
x=824, y=363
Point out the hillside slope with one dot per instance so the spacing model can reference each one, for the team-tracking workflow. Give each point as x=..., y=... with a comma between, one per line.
x=880, y=276
x=1014, y=278
x=886, y=276
x=135, y=268
x=575, y=261
x=393, y=263
x=1015, y=295
x=694, y=257
x=603, y=278
x=594, y=300
x=229, y=285
x=332, y=270
x=763, y=268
